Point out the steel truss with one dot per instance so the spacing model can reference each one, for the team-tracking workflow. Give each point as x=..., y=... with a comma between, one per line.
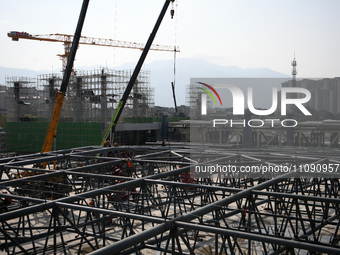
x=143, y=200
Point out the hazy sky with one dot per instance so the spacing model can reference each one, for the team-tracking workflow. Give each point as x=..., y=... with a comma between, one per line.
x=243, y=33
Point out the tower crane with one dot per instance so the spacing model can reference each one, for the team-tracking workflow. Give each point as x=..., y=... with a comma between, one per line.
x=67, y=41
x=71, y=44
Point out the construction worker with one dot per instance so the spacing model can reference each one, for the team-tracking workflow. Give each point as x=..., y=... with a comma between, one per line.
x=243, y=215
x=129, y=164
x=107, y=143
x=109, y=153
x=129, y=168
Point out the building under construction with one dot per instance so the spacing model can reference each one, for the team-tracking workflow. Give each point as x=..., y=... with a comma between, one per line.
x=91, y=100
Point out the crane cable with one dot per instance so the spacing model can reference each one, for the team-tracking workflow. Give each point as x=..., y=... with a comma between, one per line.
x=115, y=35
x=173, y=12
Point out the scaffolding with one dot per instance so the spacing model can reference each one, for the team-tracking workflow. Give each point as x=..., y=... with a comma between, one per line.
x=94, y=95
x=193, y=99
x=23, y=98
x=144, y=200
x=91, y=97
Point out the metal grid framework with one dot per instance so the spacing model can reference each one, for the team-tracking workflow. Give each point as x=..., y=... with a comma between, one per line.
x=91, y=95
x=143, y=200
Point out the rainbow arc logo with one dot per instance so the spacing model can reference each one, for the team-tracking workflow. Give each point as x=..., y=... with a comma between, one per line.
x=209, y=93
x=204, y=97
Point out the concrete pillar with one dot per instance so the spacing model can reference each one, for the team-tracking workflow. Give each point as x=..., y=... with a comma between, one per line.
x=247, y=132
x=165, y=126
x=78, y=116
x=103, y=104
x=290, y=132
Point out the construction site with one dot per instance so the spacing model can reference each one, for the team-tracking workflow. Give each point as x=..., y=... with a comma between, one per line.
x=145, y=200
x=93, y=170
x=149, y=199
x=90, y=102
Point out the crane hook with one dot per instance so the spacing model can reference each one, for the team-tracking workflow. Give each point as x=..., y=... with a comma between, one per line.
x=172, y=11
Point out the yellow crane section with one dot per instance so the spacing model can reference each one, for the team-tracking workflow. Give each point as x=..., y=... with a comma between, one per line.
x=67, y=41
x=52, y=127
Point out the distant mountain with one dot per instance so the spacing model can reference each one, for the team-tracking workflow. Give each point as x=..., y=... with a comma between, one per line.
x=162, y=74
x=6, y=71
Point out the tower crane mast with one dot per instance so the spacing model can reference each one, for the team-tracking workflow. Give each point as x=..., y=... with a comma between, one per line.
x=71, y=44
